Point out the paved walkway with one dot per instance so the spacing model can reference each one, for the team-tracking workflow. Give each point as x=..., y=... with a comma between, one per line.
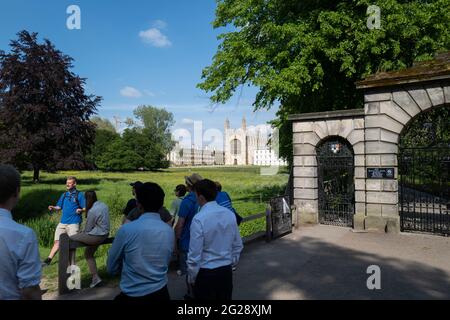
x=325, y=262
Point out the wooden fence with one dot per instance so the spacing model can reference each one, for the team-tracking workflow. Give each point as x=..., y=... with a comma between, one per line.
x=66, y=246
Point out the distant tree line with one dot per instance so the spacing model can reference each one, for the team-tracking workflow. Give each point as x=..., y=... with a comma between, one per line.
x=143, y=145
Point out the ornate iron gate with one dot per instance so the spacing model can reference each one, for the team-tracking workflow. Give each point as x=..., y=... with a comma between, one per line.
x=335, y=162
x=425, y=190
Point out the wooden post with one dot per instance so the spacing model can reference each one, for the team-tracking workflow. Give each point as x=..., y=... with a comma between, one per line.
x=63, y=263
x=268, y=224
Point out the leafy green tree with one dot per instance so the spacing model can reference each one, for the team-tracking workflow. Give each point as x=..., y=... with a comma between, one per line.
x=44, y=110
x=119, y=157
x=103, y=138
x=306, y=55
x=103, y=124
x=156, y=140
x=429, y=129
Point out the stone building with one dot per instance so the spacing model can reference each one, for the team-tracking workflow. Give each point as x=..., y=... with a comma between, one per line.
x=241, y=144
x=347, y=163
x=267, y=157
x=193, y=156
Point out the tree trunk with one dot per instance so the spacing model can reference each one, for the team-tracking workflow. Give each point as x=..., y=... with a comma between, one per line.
x=36, y=174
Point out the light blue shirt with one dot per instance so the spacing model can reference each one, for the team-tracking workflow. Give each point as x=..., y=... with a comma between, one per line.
x=215, y=239
x=20, y=265
x=97, y=222
x=142, y=250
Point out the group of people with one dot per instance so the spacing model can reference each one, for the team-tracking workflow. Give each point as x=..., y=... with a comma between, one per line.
x=201, y=229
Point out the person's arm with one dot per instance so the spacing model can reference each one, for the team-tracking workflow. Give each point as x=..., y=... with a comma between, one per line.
x=237, y=246
x=91, y=221
x=59, y=204
x=195, y=250
x=173, y=208
x=82, y=202
x=116, y=253
x=183, y=213
x=179, y=227
x=29, y=269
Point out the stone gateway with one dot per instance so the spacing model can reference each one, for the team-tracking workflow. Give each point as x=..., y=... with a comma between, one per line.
x=346, y=168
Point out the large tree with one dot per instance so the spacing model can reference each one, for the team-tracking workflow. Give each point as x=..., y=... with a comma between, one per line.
x=44, y=110
x=156, y=141
x=103, y=124
x=119, y=156
x=306, y=55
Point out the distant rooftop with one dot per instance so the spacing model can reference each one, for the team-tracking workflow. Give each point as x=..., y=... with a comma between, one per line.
x=435, y=69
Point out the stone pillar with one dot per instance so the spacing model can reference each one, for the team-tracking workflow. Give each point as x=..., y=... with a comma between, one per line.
x=356, y=139
x=384, y=122
x=305, y=172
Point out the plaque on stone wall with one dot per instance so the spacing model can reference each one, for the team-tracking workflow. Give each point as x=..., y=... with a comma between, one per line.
x=281, y=216
x=380, y=173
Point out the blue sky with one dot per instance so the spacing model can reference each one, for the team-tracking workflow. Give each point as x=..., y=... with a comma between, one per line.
x=137, y=52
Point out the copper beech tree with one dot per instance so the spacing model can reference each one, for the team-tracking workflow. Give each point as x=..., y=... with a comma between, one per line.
x=44, y=110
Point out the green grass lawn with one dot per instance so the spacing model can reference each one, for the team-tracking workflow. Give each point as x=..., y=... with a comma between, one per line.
x=249, y=191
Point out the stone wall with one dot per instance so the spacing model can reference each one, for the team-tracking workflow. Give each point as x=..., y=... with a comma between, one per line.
x=374, y=135
x=308, y=133
x=387, y=112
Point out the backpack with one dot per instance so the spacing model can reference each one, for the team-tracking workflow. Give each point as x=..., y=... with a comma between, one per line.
x=76, y=199
x=238, y=217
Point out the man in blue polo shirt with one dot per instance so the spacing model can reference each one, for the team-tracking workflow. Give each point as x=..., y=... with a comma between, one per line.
x=188, y=209
x=73, y=204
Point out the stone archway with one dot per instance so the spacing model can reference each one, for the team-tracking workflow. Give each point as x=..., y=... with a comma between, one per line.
x=424, y=173
x=336, y=188
x=309, y=131
x=391, y=101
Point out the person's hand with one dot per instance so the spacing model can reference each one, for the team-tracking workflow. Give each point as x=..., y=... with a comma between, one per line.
x=51, y=208
x=79, y=211
x=190, y=280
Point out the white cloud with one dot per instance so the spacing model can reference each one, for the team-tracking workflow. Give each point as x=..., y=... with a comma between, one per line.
x=159, y=24
x=155, y=37
x=130, y=92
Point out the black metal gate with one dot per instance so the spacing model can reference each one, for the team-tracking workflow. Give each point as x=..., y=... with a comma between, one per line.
x=424, y=190
x=335, y=163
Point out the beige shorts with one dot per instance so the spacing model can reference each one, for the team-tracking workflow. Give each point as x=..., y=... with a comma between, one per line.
x=70, y=229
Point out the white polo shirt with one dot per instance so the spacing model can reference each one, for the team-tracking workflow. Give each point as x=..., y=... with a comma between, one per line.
x=20, y=265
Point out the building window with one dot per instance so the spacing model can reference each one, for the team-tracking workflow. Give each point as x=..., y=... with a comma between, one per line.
x=235, y=147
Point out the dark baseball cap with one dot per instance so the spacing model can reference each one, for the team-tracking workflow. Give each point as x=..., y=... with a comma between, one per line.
x=136, y=184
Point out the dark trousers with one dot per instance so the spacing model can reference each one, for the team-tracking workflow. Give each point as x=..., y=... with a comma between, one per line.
x=214, y=284
x=160, y=295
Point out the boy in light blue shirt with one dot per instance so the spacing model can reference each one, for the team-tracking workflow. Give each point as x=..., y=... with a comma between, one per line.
x=20, y=267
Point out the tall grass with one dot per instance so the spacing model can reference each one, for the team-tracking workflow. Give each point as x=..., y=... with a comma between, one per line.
x=249, y=191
